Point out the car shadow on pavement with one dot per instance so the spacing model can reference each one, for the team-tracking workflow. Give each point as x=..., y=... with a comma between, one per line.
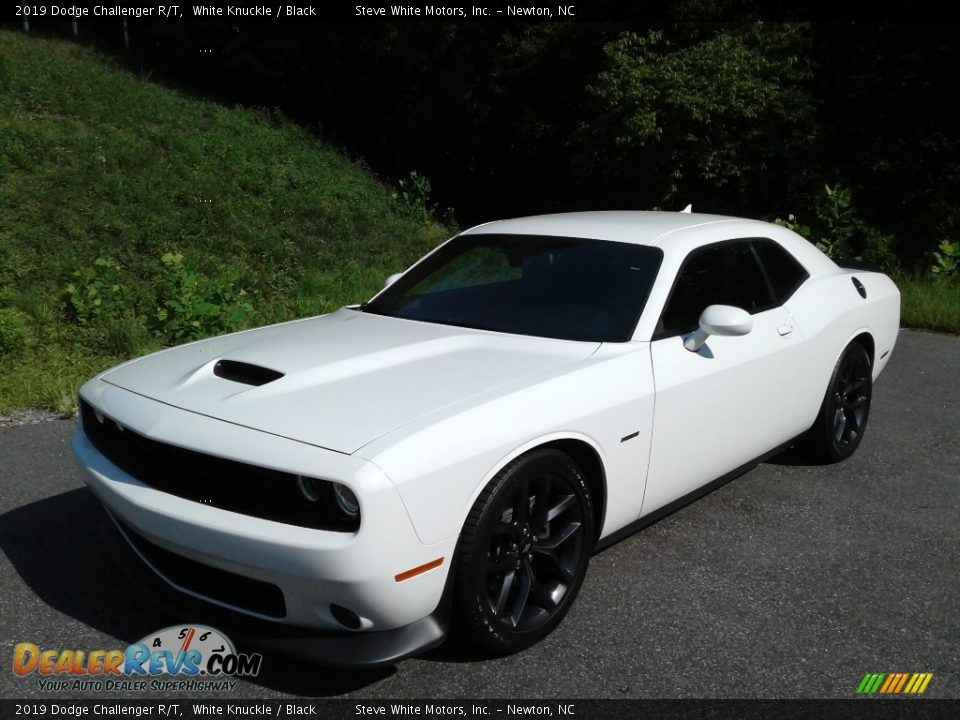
x=56, y=546
x=794, y=456
x=297, y=677
x=455, y=650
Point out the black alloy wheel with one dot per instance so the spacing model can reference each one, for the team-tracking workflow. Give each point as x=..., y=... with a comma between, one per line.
x=846, y=407
x=524, y=552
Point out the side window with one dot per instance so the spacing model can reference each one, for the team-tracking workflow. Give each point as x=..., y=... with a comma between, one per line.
x=785, y=273
x=724, y=274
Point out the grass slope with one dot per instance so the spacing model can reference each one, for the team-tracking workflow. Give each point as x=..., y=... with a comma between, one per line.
x=930, y=303
x=95, y=162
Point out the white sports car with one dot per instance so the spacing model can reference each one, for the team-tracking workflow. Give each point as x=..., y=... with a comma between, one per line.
x=454, y=450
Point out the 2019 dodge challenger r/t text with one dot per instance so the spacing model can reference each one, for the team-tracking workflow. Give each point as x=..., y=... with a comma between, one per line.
x=345, y=487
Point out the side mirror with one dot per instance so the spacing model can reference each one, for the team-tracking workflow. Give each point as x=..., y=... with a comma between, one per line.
x=391, y=280
x=719, y=320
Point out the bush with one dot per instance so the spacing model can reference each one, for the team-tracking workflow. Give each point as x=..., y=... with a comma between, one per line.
x=839, y=232
x=947, y=260
x=98, y=291
x=184, y=305
x=191, y=306
x=16, y=333
x=413, y=198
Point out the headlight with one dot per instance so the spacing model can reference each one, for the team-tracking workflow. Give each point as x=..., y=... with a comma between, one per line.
x=346, y=500
x=310, y=488
x=318, y=491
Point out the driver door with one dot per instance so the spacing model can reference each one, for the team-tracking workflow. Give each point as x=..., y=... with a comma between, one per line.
x=728, y=403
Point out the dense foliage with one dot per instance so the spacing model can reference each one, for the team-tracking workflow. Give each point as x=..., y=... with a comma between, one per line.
x=734, y=115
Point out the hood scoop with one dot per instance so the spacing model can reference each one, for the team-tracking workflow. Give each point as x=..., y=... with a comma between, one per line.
x=245, y=373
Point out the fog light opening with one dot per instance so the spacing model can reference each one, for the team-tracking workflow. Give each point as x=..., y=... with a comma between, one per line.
x=348, y=618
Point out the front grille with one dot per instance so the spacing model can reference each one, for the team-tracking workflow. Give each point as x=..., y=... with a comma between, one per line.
x=221, y=483
x=229, y=588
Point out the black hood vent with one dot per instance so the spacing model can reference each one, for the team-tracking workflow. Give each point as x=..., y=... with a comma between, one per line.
x=245, y=373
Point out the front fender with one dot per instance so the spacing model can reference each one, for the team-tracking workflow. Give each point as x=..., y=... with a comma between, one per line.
x=442, y=462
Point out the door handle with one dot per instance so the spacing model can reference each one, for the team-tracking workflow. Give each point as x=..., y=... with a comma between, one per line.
x=785, y=329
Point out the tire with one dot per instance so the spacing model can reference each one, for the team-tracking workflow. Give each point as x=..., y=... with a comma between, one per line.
x=839, y=427
x=524, y=552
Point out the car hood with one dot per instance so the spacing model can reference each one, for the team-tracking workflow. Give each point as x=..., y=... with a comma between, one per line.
x=348, y=377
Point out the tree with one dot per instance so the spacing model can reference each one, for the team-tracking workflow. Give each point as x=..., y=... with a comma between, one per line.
x=717, y=115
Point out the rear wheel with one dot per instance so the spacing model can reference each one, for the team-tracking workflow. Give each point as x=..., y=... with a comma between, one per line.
x=524, y=552
x=846, y=407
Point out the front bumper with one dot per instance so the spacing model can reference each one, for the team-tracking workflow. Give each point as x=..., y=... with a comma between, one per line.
x=311, y=569
x=340, y=649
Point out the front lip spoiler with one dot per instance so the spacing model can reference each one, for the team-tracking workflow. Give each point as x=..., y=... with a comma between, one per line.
x=345, y=650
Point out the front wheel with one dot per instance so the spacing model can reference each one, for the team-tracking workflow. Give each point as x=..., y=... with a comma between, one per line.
x=846, y=407
x=524, y=552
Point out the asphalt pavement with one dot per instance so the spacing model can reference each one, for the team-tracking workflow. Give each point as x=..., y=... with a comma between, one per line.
x=793, y=580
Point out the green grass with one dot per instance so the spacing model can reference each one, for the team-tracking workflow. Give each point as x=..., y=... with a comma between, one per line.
x=930, y=303
x=95, y=162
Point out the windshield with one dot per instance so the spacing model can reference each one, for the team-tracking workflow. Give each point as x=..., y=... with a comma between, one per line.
x=556, y=287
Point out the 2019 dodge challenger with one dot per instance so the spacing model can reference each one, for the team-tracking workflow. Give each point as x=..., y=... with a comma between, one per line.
x=456, y=448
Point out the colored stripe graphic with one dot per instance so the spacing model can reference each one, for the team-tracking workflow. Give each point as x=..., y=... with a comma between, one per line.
x=870, y=683
x=894, y=683
x=897, y=682
x=900, y=682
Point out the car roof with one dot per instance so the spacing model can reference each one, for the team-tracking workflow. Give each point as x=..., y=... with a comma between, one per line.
x=633, y=226
x=675, y=233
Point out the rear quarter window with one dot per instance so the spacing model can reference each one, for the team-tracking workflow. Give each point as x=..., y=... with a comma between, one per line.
x=783, y=270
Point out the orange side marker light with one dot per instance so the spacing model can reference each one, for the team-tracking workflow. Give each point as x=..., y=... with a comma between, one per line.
x=418, y=570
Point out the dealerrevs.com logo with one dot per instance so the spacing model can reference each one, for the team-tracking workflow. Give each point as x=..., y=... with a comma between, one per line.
x=204, y=656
